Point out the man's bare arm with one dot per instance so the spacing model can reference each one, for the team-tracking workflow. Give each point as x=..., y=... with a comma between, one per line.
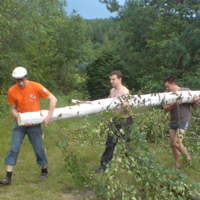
x=196, y=102
x=14, y=111
x=167, y=108
x=52, y=105
x=110, y=95
x=125, y=103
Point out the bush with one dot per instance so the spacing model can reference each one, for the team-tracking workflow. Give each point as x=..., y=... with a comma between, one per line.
x=154, y=123
x=4, y=106
x=98, y=75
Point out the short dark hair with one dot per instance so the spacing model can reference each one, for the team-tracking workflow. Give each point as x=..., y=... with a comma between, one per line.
x=170, y=80
x=116, y=72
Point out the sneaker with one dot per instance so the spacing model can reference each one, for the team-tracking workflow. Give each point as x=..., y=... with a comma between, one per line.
x=98, y=170
x=5, y=181
x=43, y=176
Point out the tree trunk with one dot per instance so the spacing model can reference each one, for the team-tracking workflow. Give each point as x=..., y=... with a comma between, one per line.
x=92, y=107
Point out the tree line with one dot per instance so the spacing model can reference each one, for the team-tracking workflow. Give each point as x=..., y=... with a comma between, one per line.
x=147, y=41
x=155, y=39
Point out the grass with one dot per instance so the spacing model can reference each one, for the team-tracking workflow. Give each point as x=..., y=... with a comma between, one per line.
x=25, y=183
x=164, y=154
x=61, y=184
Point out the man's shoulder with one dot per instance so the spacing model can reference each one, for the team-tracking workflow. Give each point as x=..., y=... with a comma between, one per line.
x=40, y=88
x=113, y=89
x=184, y=89
x=33, y=83
x=126, y=90
x=36, y=85
x=13, y=87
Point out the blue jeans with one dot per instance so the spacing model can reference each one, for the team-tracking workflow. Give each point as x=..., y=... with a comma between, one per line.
x=35, y=136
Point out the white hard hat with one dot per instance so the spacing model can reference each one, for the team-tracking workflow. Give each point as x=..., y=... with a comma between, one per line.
x=19, y=72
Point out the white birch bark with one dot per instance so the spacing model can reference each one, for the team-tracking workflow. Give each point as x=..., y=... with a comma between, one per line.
x=92, y=107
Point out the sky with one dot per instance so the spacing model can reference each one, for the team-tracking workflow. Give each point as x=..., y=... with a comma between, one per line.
x=90, y=9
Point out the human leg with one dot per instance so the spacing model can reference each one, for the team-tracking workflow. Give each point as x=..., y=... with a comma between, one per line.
x=18, y=134
x=179, y=143
x=115, y=127
x=110, y=146
x=175, y=150
x=125, y=125
x=35, y=136
x=108, y=153
x=127, y=128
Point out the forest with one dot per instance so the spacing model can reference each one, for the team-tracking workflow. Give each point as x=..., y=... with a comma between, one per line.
x=73, y=57
x=147, y=42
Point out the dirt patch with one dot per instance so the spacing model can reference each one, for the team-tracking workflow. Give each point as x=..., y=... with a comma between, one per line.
x=76, y=194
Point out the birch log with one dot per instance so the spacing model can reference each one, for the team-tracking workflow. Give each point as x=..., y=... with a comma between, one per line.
x=92, y=107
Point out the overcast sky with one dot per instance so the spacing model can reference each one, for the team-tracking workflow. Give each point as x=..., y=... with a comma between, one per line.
x=90, y=9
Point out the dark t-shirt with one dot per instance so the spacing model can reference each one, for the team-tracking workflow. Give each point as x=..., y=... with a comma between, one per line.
x=184, y=110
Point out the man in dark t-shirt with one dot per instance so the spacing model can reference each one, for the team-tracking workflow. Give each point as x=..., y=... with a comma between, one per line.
x=180, y=120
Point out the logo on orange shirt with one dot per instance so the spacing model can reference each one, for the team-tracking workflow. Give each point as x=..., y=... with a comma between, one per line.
x=32, y=98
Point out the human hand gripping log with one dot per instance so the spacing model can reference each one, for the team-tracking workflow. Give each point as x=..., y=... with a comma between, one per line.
x=96, y=106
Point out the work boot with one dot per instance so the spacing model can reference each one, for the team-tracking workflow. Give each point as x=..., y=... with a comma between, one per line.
x=5, y=181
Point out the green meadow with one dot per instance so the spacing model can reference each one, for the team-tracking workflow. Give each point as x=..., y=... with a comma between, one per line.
x=71, y=157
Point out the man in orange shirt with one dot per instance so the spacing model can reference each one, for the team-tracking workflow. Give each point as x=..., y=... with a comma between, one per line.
x=25, y=96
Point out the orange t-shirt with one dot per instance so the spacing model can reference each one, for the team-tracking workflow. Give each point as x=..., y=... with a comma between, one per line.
x=28, y=98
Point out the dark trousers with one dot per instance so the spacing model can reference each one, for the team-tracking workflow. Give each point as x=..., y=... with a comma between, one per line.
x=115, y=126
